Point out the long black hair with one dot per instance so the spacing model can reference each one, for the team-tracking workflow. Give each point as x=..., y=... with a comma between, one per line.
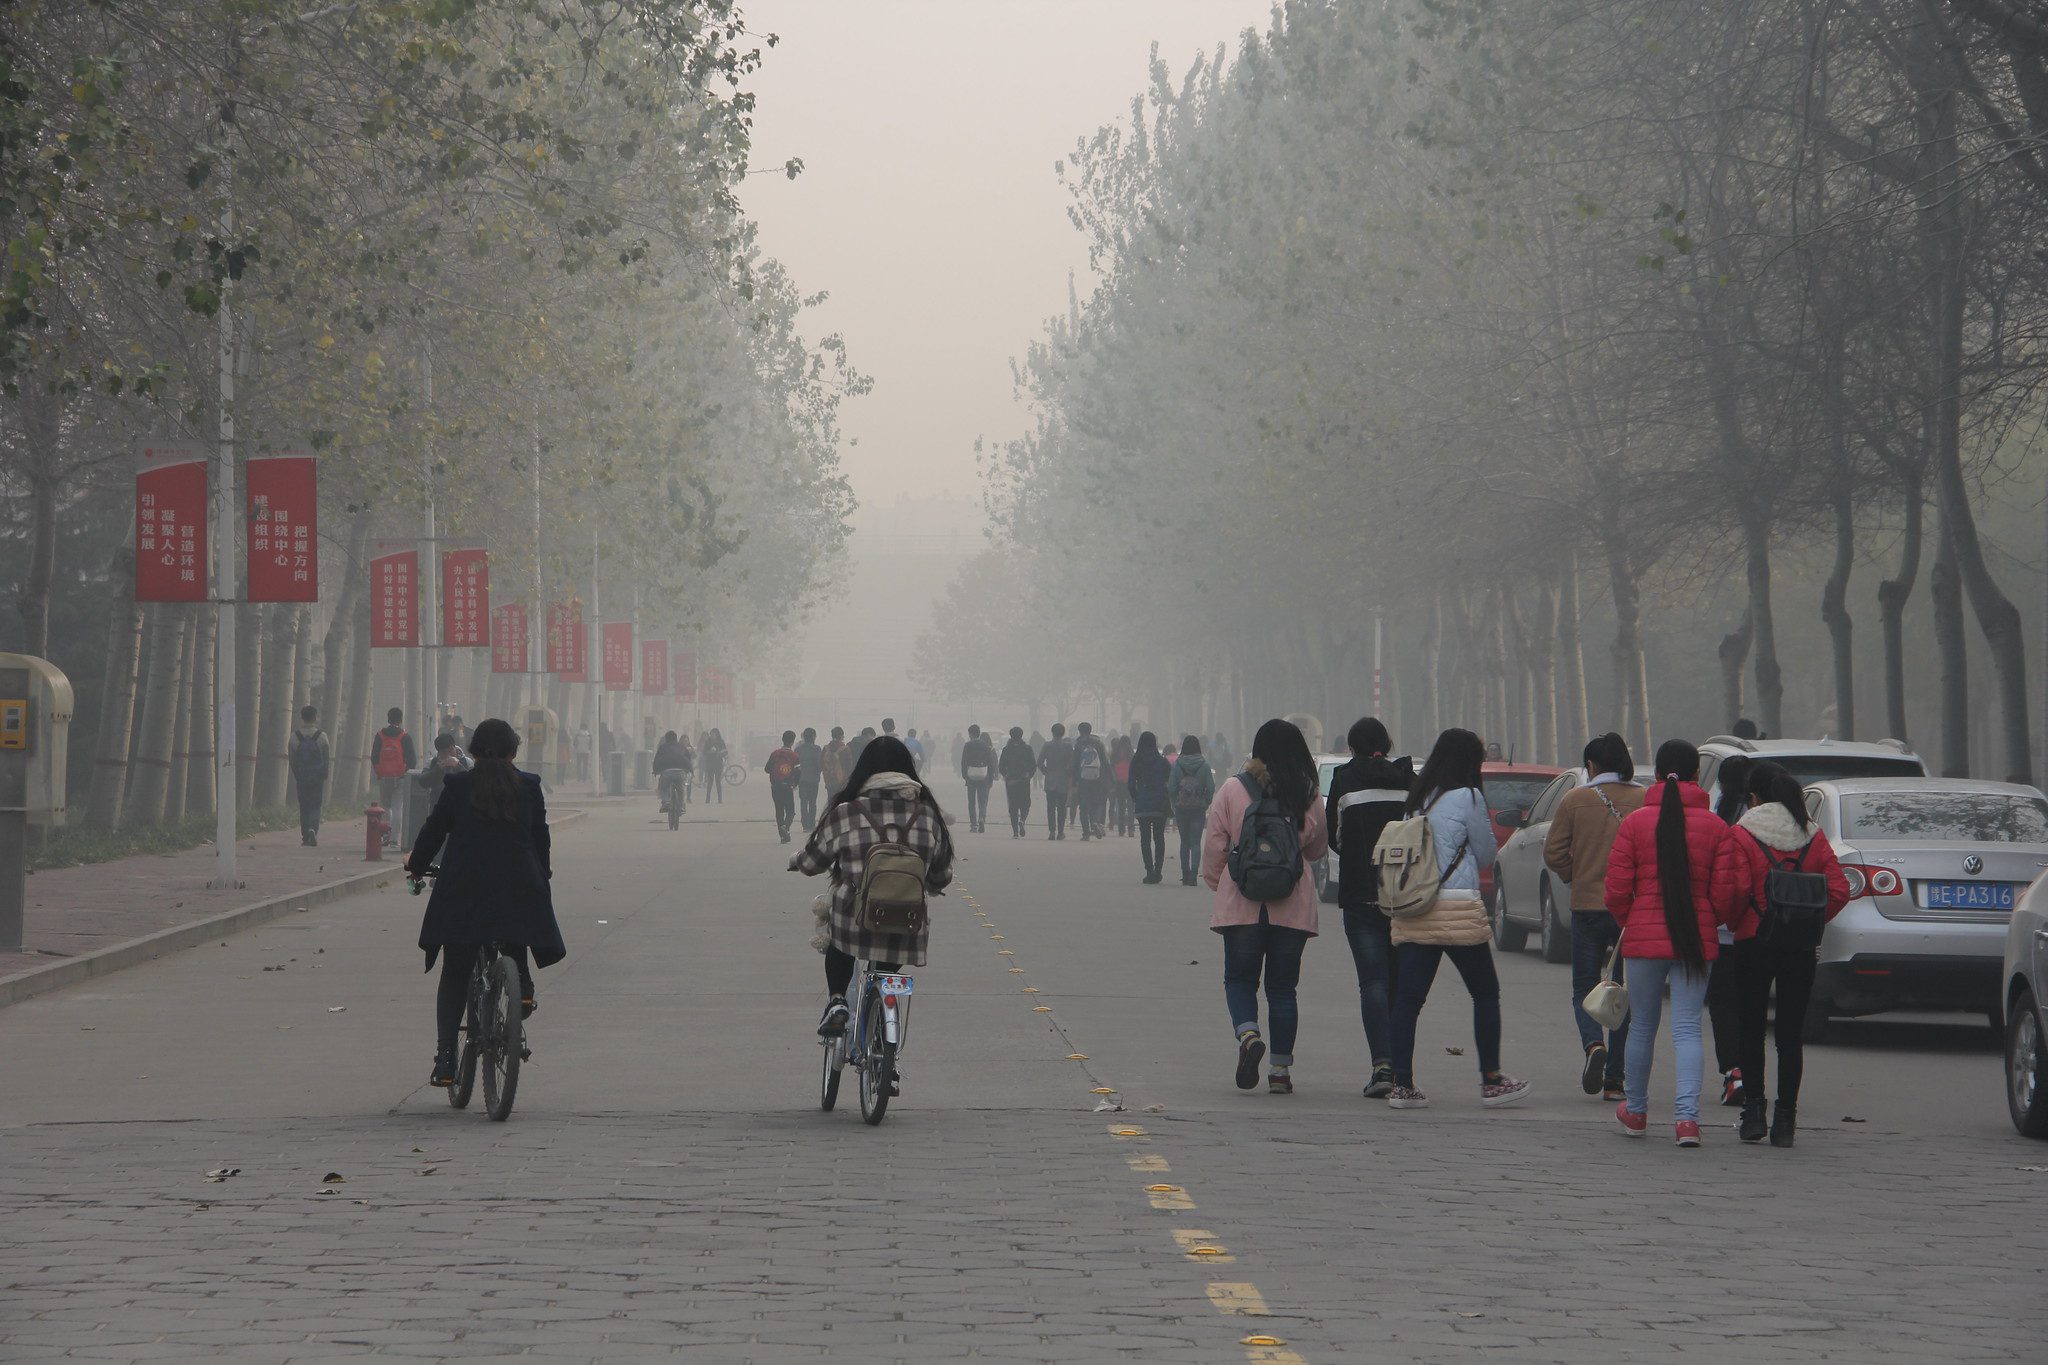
x=1453, y=765
x=1734, y=778
x=1677, y=761
x=885, y=754
x=494, y=784
x=1191, y=744
x=1290, y=769
x=1609, y=753
x=1148, y=743
x=1772, y=782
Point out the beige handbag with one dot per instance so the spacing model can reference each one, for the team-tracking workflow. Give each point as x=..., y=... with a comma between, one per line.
x=1607, y=1003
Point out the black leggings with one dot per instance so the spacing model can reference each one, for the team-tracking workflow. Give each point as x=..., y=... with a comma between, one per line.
x=1791, y=966
x=1724, y=1002
x=457, y=961
x=839, y=969
x=1152, y=843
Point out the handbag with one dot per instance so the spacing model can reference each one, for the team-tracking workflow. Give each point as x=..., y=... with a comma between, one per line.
x=1607, y=1003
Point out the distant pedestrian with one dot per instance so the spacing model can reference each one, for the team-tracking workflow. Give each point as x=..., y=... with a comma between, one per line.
x=782, y=767
x=433, y=774
x=1146, y=789
x=460, y=733
x=978, y=770
x=1018, y=765
x=672, y=764
x=1660, y=889
x=1122, y=818
x=1448, y=791
x=1091, y=780
x=712, y=756
x=311, y=758
x=1364, y=795
x=836, y=760
x=1265, y=918
x=916, y=747
x=1220, y=757
x=391, y=758
x=810, y=771
x=1724, y=987
x=858, y=743
x=1056, y=765
x=581, y=748
x=1582, y=831
x=1193, y=786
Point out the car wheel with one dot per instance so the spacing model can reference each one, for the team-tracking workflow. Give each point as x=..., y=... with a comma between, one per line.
x=2026, y=1087
x=1557, y=936
x=1508, y=936
x=1814, y=1027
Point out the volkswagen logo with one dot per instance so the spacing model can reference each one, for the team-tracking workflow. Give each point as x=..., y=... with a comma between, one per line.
x=1973, y=864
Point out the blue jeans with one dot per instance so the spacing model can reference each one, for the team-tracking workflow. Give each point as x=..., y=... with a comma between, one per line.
x=1415, y=967
x=1647, y=977
x=1246, y=949
x=1370, y=934
x=1594, y=934
x=1191, y=825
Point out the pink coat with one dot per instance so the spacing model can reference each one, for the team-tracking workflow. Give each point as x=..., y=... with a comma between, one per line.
x=1226, y=818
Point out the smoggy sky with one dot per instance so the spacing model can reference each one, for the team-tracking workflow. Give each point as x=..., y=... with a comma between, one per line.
x=928, y=207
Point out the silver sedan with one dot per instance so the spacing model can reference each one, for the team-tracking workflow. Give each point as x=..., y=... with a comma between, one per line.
x=2026, y=1013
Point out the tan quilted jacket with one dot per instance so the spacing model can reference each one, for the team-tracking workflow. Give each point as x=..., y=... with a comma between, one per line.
x=1457, y=919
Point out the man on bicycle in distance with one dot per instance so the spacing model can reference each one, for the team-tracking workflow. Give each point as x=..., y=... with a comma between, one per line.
x=882, y=802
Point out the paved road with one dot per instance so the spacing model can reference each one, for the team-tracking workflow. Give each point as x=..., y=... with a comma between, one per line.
x=668, y=1186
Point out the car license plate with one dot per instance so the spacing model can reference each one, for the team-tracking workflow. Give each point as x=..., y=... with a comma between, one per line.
x=1967, y=895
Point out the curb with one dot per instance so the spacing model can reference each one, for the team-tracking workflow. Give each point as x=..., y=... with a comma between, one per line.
x=72, y=970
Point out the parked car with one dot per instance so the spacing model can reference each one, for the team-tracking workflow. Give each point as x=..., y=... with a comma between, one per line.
x=1935, y=867
x=1809, y=760
x=1325, y=868
x=1511, y=791
x=2026, y=1012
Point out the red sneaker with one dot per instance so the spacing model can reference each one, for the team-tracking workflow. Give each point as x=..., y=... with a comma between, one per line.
x=1632, y=1123
x=1688, y=1133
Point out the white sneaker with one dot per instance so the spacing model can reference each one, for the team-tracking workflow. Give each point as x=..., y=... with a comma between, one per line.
x=1407, y=1097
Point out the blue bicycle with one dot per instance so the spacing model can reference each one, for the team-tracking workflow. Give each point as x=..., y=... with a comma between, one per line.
x=872, y=1045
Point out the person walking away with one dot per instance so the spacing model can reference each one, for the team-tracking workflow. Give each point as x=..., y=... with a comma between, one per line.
x=1786, y=884
x=858, y=743
x=1148, y=789
x=916, y=747
x=1263, y=830
x=1660, y=889
x=489, y=830
x=978, y=771
x=713, y=754
x=311, y=758
x=781, y=767
x=460, y=733
x=1448, y=792
x=1017, y=765
x=836, y=761
x=1364, y=795
x=1724, y=987
x=882, y=802
x=671, y=771
x=1056, y=764
x=1121, y=812
x=1193, y=786
x=1224, y=761
x=1581, y=836
x=581, y=748
x=810, y=771
x=391, y=758
x=1091, y=780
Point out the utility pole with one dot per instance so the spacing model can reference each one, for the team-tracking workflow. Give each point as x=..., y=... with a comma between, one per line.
x=1377, y=636
x=225, y=539
x=593, y=654
x=534, y=639
x=431, y=576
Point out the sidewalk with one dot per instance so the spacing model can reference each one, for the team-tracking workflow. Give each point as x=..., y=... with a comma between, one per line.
x=85, y=921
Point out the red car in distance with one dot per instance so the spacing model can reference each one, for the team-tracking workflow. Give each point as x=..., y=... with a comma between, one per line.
x=1511, y=789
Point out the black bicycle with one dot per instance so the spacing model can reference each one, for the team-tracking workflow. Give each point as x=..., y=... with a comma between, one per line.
x=493, y=1028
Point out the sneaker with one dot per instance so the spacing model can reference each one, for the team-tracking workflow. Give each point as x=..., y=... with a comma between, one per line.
x=443, y=1073
x=1755, y=1121
x=1502, y=1090
x=1595, y=1069
x=1632, y=1123
x=1784, y=1124
x=835, y=1019
x=1406, y=1097
x=1279, y=1084
x=1251, y=1050
x=1615, y=1093
x=1731, y=1089
x=1381, y=1084
x=1688, y=1133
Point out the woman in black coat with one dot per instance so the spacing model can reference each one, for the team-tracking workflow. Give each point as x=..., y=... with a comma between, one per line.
x=493, y=885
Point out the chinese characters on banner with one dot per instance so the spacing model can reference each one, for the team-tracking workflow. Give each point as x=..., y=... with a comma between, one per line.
x=508, y=638
x=747, y=696
x=395, y=600
x=567, y=640
x=686, y=675
x=171, y=557
x=654, y=667
x=466, y=599
x=283, y=555
x=618, y=656
x=717, y=687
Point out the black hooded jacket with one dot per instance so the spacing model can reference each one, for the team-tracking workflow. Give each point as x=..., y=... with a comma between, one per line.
x=1364, y=794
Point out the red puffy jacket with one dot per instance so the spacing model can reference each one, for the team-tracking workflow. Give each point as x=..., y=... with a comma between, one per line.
x=1744, y=868
x=1635, y=897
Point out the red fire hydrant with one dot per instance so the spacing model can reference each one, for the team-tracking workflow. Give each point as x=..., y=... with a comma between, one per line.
x=373, y=835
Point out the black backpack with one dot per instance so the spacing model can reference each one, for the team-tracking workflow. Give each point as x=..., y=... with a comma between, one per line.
x=1266, y=863
x=1795, y=900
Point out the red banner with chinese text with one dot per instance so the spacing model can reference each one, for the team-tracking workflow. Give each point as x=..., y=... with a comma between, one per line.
x=686, y=675
x=395, y=600
x=508, y=638
x=567, y=643
x=618, y=656
x=283, y=553
x=717, y=687
x=171, y=558
x=466, y=598
x=654, y=667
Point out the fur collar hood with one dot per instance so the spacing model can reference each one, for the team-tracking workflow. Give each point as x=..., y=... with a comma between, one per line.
x=1773, y=827
x=892, y=784
x=1256, y=771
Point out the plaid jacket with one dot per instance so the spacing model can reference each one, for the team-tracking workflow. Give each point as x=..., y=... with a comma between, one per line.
x=840, y=845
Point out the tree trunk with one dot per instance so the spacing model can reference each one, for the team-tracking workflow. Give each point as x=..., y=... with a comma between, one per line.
x=1892, y=596
x=1952, y=652
x=1499, y=719
x=248, y=700
x=1432, y=664
x=199, y=774
x=159, y=719
x=1574, y=715
x=42, y=429
x=1770, y=679
x=275, y=700
x=117, y=701
x=1834, y=609
x=1734, y=653
x=181, y=720
x=351, y=737
x=1631, y=686
x=1541, y=641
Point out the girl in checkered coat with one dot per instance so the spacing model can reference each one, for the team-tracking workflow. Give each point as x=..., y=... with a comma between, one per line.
x=882, y=791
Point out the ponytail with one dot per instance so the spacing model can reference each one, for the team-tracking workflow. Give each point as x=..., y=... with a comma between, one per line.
x=1677, y=761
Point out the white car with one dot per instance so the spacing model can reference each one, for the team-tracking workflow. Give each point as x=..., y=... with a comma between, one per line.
x=2026, y=1012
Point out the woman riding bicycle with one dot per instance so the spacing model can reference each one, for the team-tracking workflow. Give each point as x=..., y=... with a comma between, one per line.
x=672, y=755
x=493, y=884
x=882, y=802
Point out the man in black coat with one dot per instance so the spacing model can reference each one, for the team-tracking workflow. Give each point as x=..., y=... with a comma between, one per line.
x=1017, y=765
x=978, y=771
x=1364, y=795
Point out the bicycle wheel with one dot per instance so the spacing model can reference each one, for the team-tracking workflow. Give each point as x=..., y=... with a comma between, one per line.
x=675, y=813
x=734, y=775
x=502, y=1042
x=828, y=1088
x=878, y=1066
x=465, y=1076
